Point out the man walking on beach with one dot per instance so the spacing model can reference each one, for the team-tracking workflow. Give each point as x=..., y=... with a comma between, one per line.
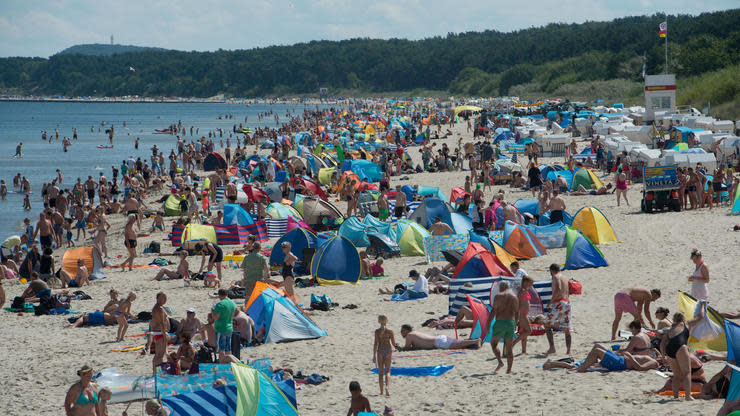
x=633, y=301
x=504, y=311
x=160, y=326
x=560, y=312
x=223, y=314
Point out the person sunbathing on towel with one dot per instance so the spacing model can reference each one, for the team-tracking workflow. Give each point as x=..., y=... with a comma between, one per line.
x=463, y=319
x=421, y=341
x=583, y=191
x=632, y=357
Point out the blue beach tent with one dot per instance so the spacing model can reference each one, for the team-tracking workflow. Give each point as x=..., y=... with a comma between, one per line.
x=581, y=252
x=281, y=318
x=235, y=214
x=336, y=261
x=299, y=239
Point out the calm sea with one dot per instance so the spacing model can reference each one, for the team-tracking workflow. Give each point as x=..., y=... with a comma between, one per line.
x=24, y=121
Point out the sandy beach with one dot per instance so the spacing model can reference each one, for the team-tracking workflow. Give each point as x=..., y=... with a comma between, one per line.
x=41, y=357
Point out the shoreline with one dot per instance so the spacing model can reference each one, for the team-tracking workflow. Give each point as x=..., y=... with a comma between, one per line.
x=118, y=100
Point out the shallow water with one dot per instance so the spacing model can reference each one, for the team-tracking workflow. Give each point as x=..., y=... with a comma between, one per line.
x=24, y=121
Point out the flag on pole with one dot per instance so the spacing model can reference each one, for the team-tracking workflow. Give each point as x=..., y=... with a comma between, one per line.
x=663, y=29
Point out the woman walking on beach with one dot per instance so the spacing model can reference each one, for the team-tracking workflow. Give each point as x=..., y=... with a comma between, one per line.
x=622, y=186
x=383, y=352
x=700, y=277
x=524, y=299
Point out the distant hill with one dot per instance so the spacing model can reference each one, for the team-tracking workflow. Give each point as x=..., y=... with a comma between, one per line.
x=102, y=49
x=592, y=59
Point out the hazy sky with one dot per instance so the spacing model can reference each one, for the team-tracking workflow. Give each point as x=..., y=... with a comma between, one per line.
x=43, y=27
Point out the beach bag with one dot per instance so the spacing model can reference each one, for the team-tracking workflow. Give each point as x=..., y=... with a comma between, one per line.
x=154, y=247
x=705, y=329
x=204, y=355
x=574, y=287
x=19, y=302
x=237, y=293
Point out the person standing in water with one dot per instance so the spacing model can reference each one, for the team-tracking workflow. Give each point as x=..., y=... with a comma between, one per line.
x=19, y=150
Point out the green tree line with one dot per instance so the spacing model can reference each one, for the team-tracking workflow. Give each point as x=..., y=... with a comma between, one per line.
x=476, y=63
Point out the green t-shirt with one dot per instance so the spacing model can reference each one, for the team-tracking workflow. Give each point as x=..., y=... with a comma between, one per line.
x=254, y=266
x=225, y=309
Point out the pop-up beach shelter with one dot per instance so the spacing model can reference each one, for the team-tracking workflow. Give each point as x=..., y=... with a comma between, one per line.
x=687, y=305
x=732, y=334
x=410, y=237
x=198, y=232
x=257, y=395
x=551, y=236
x=594, y=225
x=315, y=210
x=336, y=261
x=521, y=242
x=587, y=178
x=581, y=252
x=281, y=318
x=278, y=210
x=479, y=262
x=429, y=210
x=171, y=206
x=92, y=258
x=214, y=161
x=235, y=214
x=300, y=239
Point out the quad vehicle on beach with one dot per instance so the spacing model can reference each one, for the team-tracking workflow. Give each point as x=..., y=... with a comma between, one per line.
x=660, y=189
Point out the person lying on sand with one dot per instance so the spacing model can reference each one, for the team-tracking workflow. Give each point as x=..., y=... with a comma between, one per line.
x=600, y=354
x=94, y=319
x=583, y=191
x=420, y=341
x=463, y=319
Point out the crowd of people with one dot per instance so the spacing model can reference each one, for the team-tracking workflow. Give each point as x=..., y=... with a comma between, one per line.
x=85, y=208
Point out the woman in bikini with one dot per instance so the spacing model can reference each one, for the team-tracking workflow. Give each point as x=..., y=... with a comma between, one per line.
x=82, y=397
x=287, y=271
x=700, y=277
x=524, y=298
x=674, y=348
x=383, y=352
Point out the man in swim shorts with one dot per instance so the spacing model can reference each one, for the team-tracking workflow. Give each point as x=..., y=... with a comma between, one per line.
x=559, y=315
x=612, y=361
x=503, y=311
x=633, y=301
x=421, y=341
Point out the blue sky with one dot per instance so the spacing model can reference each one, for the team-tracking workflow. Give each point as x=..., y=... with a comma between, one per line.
x=42, y=28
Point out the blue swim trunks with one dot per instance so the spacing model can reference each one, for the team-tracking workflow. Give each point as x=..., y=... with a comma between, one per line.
x=95, y=318
x=613, y=362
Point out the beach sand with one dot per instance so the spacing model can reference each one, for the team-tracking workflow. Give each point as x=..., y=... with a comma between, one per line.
x=41, y=357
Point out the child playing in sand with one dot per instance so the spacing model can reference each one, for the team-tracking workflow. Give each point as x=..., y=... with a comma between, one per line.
x=124, y=312
x=211, y=280
x=382, y=353
x=158, y=223
x=358, y=403
x=376, y=268
x=105, y=394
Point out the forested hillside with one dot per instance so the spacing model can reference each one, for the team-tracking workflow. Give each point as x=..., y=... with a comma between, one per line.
x=102, y=49
x=474, y=63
